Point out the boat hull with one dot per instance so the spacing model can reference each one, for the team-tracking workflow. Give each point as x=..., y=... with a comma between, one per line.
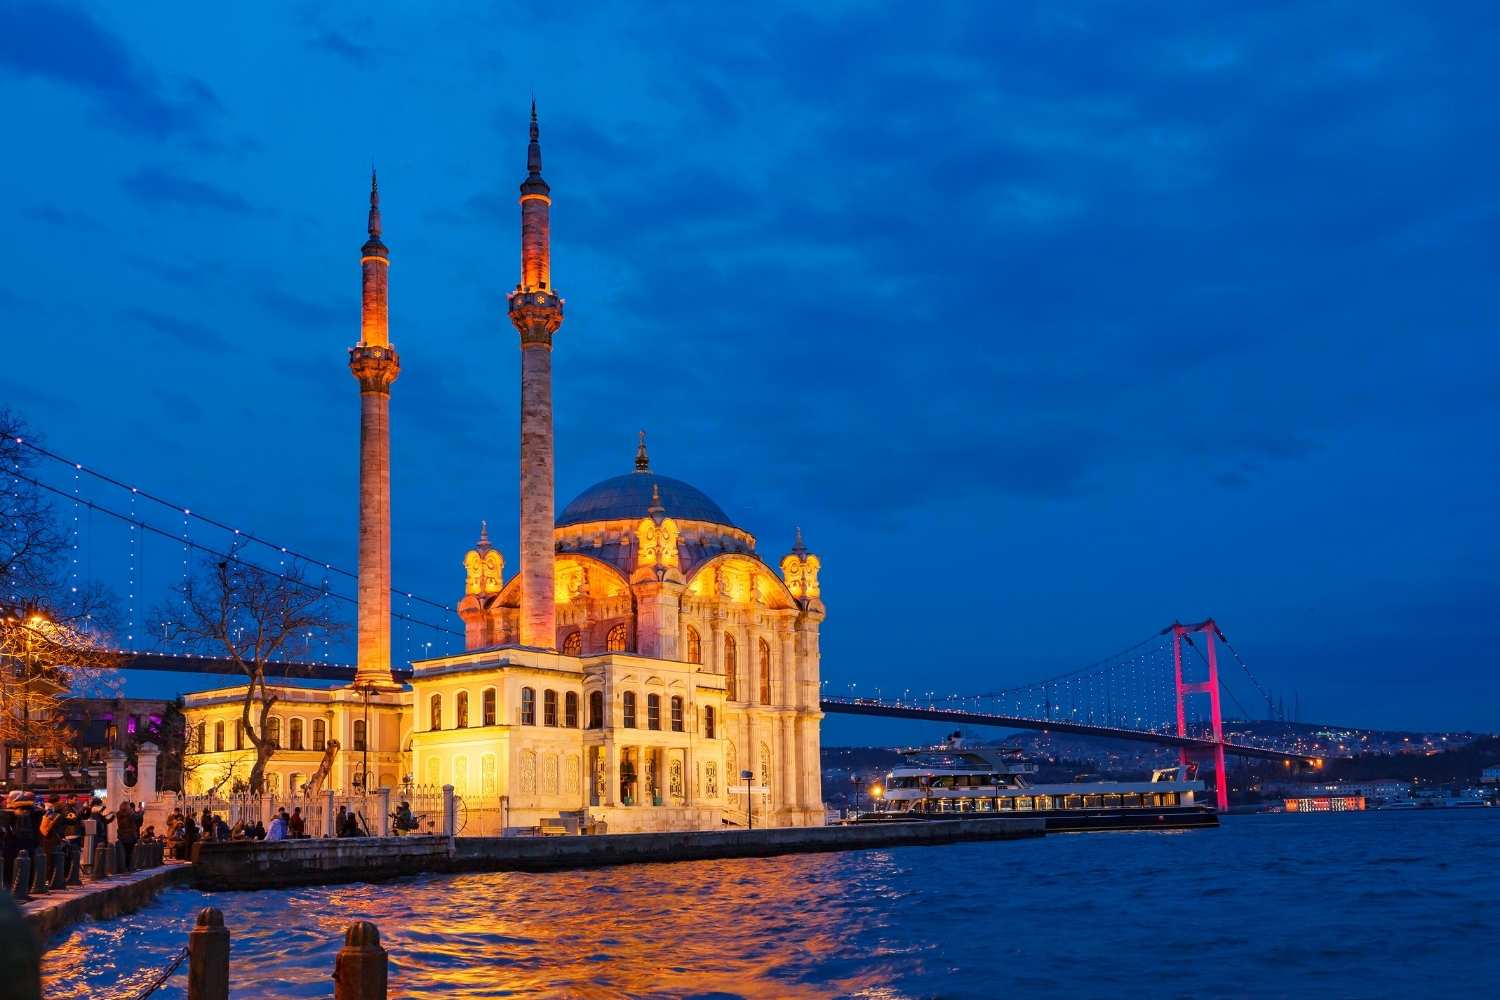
x=1078, y=821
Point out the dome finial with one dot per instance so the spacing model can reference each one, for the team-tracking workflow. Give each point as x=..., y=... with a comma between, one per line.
x=656, y=509
x=484, y=532
x=798, y=547
x=642, y=460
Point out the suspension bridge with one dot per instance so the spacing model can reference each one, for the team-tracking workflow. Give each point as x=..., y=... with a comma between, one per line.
x=1165, y=689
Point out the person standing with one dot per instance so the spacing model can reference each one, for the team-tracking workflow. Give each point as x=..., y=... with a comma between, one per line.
x=127, y=830
x=277, y=830
x=296, y=827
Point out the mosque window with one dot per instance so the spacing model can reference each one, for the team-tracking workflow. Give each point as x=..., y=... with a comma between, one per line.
x=296, y=734
x=218, y=736
x=676, y=714
x=596, y=709
x=765, y=672
x=435, y=713
x=549, y=707
x=359, y=734
x=462, y=710
x=616, y=641
x=653, y=711
x=570, y=710
x=708, y=722
x=731, y=669
x=202, y=741
x=239, y=735
x=627, y=707
x=573, y=644
x=695, y=646
x=489, y=706
x=528, y=706
x=320, y=734
x=275, y=732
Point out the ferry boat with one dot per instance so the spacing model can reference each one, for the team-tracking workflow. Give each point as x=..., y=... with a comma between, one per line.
x=953, y=782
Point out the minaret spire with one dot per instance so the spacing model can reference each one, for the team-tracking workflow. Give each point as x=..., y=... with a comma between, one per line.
x=374, y=364
x=536, y=312
x=642, y=460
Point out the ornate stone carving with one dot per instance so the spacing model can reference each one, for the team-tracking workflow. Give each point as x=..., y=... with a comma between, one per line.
x=374, y=367
x=800, y=571
x=528, y=773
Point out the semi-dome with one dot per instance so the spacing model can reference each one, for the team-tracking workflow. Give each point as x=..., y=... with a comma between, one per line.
x=628, y=497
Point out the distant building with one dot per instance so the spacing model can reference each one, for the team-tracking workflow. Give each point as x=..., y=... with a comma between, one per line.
x=1490, y=775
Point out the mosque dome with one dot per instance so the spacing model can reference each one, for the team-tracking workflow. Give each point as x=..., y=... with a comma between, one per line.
x=628, y=498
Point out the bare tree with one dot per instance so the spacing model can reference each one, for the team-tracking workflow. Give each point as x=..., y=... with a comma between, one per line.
x=255, y=617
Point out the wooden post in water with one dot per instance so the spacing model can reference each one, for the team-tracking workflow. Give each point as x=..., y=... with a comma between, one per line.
x=360, y=971
x=208, y=957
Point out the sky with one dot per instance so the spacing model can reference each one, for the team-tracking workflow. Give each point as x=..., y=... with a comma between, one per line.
x=1048, y=323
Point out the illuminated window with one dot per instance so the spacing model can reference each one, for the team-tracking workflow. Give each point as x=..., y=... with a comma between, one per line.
x=218, y=736
x=435, y=713
x=296, y=734
x=320, y=734
x=573, y=644
x=549, y=708
x=708, y=722
x=489, y=706
x=694, y=646
x=765, y=672
x=359, y=734
x=616, y=641
x=202, y=744
x=275, y=732
x=570, y=710
x=627, y=710
x=462, y=710
x=653, y=711
x=596, y=709
x=731, y=670
x=528, y=706
x=676, y=714
x=239, y=734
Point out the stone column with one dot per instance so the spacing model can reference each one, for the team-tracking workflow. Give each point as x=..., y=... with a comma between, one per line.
x=114, y=780
x=145, y=772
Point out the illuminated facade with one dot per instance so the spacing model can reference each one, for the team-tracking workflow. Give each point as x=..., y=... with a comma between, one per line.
x=639, y=662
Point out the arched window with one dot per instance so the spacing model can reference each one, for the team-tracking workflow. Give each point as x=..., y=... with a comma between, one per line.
x=218, y=736
x=275, y=732
x=676, y=714
x=765, y=672
x=202, y=744
x=239, y=734
x=296, y=734
x=573, y=644
x=596, y=709
x=489, y=706
x=549, y=707
x=615, y=643
x=359, y=734
x=695, y=646
x=528, y=706
x=435, y=713
x=731, y=670
x=570, y=709
x=320, y=734
x=708, y=722
x=462, y=722
x=627, y=710
x=653, y=711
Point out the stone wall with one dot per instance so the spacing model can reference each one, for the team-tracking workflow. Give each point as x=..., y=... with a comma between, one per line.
x=262, y=865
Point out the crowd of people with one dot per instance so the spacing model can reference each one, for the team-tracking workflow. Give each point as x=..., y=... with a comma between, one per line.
x=82, y=824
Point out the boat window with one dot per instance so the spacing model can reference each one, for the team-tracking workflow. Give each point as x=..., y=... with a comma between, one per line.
x=1112, y=801
x=1023, y=802
x=1092, y=801
x=1074, y=802
x=1131, y=800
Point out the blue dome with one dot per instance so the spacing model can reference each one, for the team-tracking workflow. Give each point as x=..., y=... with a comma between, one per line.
x=627, y=498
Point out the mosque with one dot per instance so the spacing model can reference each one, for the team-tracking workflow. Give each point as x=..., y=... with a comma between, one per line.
x=639, y=664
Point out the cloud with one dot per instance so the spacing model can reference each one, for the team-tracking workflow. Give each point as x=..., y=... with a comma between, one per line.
x=157, y=186
x=305, y=312
x=179, y=330
x=49, y=214
x=63, y=44
x=342, y=46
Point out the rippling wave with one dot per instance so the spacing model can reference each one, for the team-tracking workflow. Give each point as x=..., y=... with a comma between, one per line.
x=1343, y=905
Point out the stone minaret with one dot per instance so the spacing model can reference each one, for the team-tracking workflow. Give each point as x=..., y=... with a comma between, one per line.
x=373, y=362
x=537, y=312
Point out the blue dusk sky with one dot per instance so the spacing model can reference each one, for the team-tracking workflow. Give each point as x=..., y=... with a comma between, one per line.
x=1048, y=323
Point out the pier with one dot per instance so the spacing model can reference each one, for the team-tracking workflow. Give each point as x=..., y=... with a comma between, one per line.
x=107, y=897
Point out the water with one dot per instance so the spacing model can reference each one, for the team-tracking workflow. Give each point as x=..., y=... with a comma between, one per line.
x=1347, y=905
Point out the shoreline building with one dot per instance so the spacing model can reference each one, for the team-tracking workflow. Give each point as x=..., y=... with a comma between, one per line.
x=642, y=659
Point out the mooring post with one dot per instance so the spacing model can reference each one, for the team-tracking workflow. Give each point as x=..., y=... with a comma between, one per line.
x=208, y=957
x=20, y=958
x=96, y=871
x=75, y=866
x=21, y=880
x=450, y=812
x=38, y=872
x=57, y=872
x=360, y=971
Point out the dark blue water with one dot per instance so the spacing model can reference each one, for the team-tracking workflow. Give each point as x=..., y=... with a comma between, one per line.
x=1346, y=905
